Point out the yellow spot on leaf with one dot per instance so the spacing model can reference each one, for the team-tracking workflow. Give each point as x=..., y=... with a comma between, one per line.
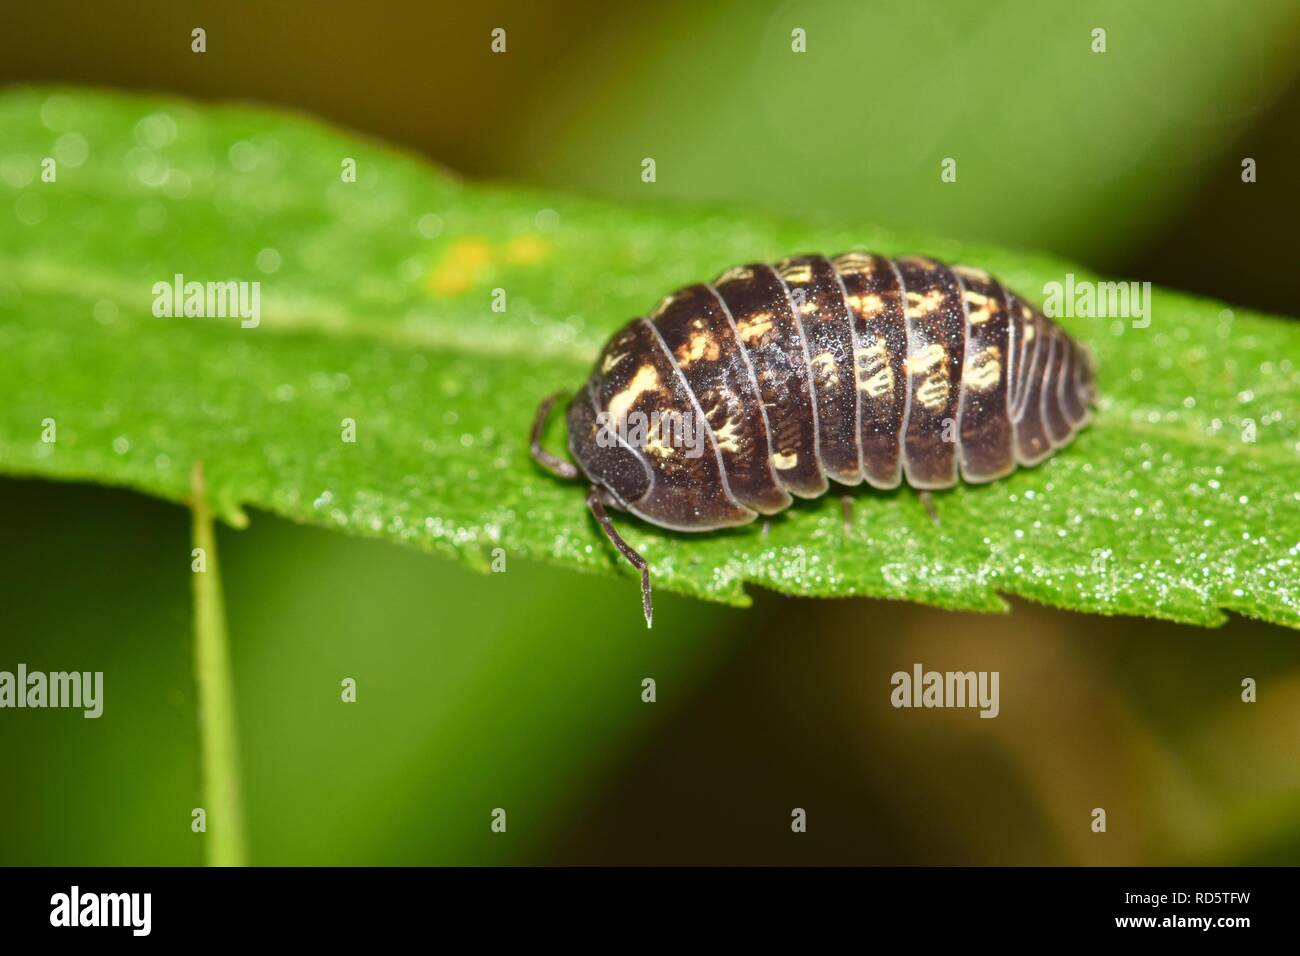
x=463, y=266
x=527, y=250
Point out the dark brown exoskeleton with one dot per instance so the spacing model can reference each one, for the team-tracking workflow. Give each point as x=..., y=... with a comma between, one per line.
x=732, y=397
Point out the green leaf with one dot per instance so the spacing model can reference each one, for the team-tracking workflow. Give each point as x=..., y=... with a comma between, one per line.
x=376, y=307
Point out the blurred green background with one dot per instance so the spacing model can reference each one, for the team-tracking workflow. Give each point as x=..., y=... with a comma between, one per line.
x=522, y=690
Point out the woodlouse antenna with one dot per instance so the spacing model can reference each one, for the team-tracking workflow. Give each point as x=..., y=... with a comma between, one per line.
x=598, y=510
x=556, y=466
x=927, y=501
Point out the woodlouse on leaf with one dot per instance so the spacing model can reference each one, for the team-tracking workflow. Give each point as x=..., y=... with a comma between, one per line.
x=733, y=397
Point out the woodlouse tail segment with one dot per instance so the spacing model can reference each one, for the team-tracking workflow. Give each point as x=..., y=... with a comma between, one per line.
x=597, y=505
x=556, y=466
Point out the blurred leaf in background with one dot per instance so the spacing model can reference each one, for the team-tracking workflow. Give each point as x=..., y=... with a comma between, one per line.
x=1058, y=148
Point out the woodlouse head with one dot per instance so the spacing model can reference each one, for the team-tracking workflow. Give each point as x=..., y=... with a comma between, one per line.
x=602, y=458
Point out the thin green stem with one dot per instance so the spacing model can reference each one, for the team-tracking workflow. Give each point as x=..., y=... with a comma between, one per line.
x=217, y=738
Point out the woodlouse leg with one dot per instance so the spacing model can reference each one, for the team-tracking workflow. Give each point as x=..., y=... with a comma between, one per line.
x=928, y=502
x=556, y=466
x=598, y=509
x=767, y=526
x=846, y=512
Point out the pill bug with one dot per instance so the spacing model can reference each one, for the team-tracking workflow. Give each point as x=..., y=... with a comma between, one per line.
x=736, y=396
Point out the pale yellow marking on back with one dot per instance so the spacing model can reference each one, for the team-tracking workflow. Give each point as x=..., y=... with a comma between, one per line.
x=877, y=377
x=979, y=275
x=610, y=361
x=795, y=272
x=922, y=305
x=645, y=379
x=701, y=345
x=985, y=307
x=866, y=303
x=755, y=327
x=925, y=359
x=854, y=264
x=828, y=371
x=733, y=275
x=728, y=436
x=785, y=460
x=656, y=446
x=983, y=371
x=933, y=393
x=663, y=305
